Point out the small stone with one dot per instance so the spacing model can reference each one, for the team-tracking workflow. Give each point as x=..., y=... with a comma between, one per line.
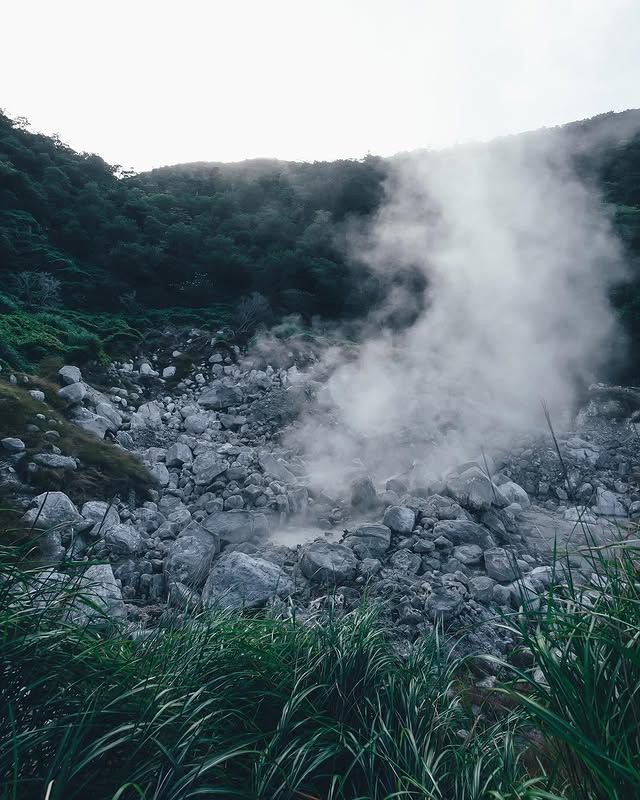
x=13, y=445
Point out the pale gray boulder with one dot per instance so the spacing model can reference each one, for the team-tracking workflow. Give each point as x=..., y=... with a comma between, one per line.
x=238, y=580
x=323, y=562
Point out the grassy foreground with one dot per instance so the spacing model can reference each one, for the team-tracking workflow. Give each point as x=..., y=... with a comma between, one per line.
x=256, y=707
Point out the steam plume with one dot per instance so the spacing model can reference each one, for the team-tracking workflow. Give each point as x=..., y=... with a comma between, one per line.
x=519, y=255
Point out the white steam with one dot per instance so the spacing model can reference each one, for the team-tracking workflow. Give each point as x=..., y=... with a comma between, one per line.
x=519, y=256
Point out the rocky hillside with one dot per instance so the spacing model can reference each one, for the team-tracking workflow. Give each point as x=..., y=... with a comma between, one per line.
x=222, y=513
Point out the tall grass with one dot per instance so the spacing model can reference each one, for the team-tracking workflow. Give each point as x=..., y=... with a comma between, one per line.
x=226, y=705
x=584, y=692
x=232, y=706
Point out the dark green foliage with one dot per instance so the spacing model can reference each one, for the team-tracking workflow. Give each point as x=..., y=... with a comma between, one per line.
x=191, y=235
x=205, y=234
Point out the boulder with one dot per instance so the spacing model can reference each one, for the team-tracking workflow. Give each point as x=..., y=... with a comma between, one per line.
x=514, y=493
x=160, y=474
x=238, y=580
x=375, y=539
x=608, y=505
x=363, y=494
x=219, y=397
x=196, y=423
x=69, y=374
x=272, y=466
x=472, y=489
x=98, y=599
x=323, y=562
x=444, y=603
x=499, y=565
x=53, y=509
x=190, y=556
x=481, y=588
x=101, y=514
x=100, y=587
x=400, y=519
x=406, y=561
x=148, y=415
x=73, y=394
x=123, y=541
x=460, y=531
x=207, y=466
x=178, y=455
x=468, y=554
x=108, y=412
x=234, y=527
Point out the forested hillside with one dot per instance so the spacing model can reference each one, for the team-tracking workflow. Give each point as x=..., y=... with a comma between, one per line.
x=85, y=239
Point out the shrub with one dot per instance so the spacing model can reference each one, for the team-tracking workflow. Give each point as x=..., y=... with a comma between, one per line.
x=37, y=289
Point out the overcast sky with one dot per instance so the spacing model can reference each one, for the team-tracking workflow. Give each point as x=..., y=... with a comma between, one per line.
x=149, y=82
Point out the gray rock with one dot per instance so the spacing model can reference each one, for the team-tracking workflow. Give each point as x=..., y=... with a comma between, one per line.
x=323, y=562
x=37, y=395
x=148, y=371
x=161, y=474
x=444, y=603
x=196, y=423
x=468, y=554
x=238, y=580
x=405, y=561
x=123, y=541
x=104, y=593
x=108, y=412
x=12, y=445
x=101, y=514
x=73, y=394
x=182, y=596
x=219, y=397
x=472, y=489
x=514, y=493
x=69, y=374
x=53, y=509
x=272, y=466
x=53, y=461
x=481, y=588
x=168, y=372
x=148, y=415
x=608, y=505
x=363, y=494
x=400, y=519
x=375, y=539
x=93, y=423
x=460, y=531
x=207, y=466
x=233, y=503
x=178, y=455
x=499, y=565
x=234, y=527
x=190, y=556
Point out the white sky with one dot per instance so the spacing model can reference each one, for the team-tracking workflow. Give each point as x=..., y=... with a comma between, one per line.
x=149, y=82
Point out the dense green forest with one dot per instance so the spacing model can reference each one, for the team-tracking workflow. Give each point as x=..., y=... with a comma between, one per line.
x=88, y=248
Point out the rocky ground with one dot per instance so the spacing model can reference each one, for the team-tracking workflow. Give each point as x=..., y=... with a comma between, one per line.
x=234, y=520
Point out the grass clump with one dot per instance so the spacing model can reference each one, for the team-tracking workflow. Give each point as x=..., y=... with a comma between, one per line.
x=226, y=705
x=584, y=693
x=106, y=470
